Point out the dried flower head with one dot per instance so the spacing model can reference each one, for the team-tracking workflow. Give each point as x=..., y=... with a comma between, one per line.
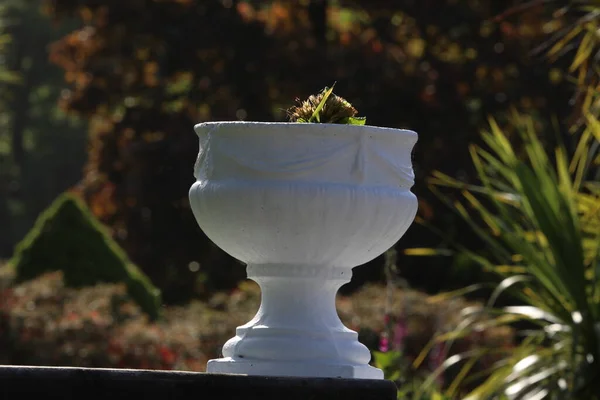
x=326, y=108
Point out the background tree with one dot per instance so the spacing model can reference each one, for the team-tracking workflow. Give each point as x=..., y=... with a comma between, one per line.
x=32, y=172
x=146, y=71
x=7, y=77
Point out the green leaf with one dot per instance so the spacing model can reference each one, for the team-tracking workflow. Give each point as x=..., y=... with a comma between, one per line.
x=10, y=77
x=316, y=113
x=385, y=360
x=436, y=396
x=541, y=223
x=424, y=251
x=356, y=120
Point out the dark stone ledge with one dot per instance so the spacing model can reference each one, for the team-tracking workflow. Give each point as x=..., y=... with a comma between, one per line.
x=51, y=383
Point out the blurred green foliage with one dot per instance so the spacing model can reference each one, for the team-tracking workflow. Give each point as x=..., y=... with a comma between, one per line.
x=42, y=150
x=397, y=368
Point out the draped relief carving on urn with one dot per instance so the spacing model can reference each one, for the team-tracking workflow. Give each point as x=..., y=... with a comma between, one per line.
x=237, y=158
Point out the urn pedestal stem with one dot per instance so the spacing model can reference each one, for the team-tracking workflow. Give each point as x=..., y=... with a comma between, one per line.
x=297, y=330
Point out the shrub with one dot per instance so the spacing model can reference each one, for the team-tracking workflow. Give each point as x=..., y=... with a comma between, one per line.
x=43, y=322
x=66, y=237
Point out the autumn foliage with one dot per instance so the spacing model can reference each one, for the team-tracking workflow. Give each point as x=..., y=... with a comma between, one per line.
x=145, y=71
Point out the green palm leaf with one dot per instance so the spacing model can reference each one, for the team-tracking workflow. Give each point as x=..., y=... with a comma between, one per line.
x=539, y=217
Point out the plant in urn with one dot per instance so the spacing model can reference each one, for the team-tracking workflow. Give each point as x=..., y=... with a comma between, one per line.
x=302, y=203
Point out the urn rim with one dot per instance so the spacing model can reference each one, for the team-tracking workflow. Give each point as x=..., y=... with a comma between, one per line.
x=404, y=134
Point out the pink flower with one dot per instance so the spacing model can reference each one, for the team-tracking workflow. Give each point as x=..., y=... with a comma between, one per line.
x=400, y=333
x=384, y=343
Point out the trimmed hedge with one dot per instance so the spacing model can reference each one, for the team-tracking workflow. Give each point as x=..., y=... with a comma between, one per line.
x=67, y=237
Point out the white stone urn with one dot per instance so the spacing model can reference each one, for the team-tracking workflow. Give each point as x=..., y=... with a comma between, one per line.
x=301, y=204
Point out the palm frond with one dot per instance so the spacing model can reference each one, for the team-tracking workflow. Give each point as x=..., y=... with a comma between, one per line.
x=539, y=216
